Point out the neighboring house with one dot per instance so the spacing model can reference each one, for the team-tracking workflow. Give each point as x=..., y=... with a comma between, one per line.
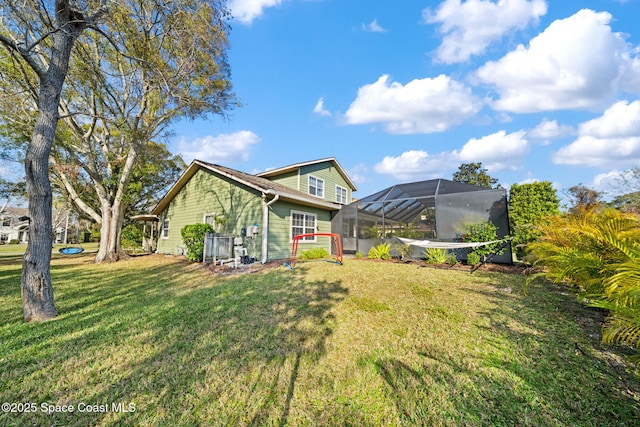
x=275, y=205
x=12, y=227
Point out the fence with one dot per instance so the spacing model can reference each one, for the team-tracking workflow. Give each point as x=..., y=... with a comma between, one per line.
x=217, y=247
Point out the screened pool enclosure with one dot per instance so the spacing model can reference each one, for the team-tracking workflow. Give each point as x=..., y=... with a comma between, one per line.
x=436, y=210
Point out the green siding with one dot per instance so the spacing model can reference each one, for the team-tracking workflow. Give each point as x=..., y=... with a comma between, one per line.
x=280, y=229
x=207, y=193
x=290, y=179
x=326, y=171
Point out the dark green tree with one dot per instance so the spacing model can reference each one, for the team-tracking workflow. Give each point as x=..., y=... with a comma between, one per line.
x=475, y=174
x=529, y=206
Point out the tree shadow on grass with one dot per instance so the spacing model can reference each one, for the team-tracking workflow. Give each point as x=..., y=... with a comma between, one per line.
x=211, y=352
x=525, y=371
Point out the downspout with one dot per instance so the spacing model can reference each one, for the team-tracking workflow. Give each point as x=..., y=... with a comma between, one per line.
x=265, y=224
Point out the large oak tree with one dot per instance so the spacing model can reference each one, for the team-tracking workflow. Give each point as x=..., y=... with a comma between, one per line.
x=143, y=64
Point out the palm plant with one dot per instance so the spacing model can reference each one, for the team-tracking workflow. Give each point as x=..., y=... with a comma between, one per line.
x=381, y=251
x=436, y=255
x=622, y=292
x=597, y=250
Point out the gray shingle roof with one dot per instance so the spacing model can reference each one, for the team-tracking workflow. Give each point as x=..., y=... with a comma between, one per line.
x=263, y=185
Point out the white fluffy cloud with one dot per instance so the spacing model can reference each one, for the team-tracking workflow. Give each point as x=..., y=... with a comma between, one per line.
x=497, y=151
x=319, y=108
x=577, y=62
x=246, y=11
x=469, y=27
x=611, y=140
x=415, y=165
x=550, y=129
x=421, y=106
x=223, y=148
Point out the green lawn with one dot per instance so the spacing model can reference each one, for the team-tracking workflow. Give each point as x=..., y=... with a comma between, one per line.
x=16, y=251
x=363, y=344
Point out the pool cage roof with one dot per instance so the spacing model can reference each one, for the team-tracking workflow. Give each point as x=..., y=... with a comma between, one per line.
x=402, y=202
x=437, y=209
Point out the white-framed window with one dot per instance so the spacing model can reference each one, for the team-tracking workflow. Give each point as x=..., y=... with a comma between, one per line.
x=316, y=187
x=341, y=195
x=165, y=229
x=303, y=223
x=209, y=218
x=6, y=222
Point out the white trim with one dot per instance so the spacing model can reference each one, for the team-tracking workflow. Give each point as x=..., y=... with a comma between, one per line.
x=213, y=216
x=166, y=226
x=277, y=171
x=346, y=195
x=318, y=181
x=265, y=224
x=305, y=228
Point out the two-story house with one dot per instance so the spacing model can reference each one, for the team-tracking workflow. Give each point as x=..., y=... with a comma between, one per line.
x=13, y=225
x=266, y=209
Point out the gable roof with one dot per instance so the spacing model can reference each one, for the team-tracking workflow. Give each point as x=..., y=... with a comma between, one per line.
x=10, y=212
x=293, y=167
x=263, y=185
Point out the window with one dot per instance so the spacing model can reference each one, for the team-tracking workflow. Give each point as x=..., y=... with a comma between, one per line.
x=316, y=187
x=210, y=219
x=165, y=229
x=303, y=223
x=4, y=238
x=6, y=222
x=341, y=195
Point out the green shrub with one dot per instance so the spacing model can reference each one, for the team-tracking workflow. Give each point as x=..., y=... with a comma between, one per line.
x=403, y=250
x=314, y=253
x=483, y=232
x=131, y=237
x=435, y=255
x=451, y=259
x=381, y=251
x=473, y=258
x=95, y=235
x=14, y=241
x=193, y=238
x=529, y=206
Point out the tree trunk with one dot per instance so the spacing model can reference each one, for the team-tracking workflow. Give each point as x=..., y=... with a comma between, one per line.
x=37, y=290
x=113, y=213
x=110, y=231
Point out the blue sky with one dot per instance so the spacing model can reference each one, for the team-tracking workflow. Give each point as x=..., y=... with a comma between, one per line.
x=409, y=90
